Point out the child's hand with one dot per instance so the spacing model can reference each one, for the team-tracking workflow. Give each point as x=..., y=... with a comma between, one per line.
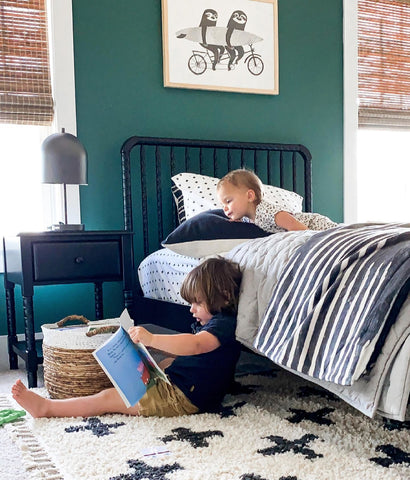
x=140, y=334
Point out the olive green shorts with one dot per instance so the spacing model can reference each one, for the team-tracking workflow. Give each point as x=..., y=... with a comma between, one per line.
x=165, y=400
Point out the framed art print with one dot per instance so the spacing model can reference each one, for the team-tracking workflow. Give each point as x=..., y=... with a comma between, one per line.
x=228, y=46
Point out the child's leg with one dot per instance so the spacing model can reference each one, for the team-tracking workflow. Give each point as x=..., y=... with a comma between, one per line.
x=107, y=401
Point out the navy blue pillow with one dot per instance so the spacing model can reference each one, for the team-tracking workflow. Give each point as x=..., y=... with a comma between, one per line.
x=210, y=233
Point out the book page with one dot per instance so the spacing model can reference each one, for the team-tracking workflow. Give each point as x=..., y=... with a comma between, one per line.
x=150, y=363
x=129, y=366
x=124, y=366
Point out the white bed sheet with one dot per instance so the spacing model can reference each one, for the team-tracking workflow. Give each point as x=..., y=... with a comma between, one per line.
x=161, y=275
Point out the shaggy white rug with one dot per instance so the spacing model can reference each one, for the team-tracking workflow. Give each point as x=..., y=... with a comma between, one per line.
x=274, y=427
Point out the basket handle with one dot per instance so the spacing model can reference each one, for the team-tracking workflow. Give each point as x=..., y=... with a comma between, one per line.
x=80, y=318
x=103, y=329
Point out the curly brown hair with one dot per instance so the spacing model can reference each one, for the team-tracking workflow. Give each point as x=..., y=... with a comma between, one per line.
x=216, y=281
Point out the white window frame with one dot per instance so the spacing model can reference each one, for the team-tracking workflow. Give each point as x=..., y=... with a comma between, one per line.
x=350, y=110
x=63, y=84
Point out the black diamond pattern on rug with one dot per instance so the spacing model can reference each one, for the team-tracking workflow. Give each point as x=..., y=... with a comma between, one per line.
x=393, y=425
x=229, y=410
x=297, y=446
x=237, y=388
x=96, y=426
x=142, y=470
x=196, y=439
x=315, y=417
x=308, y=391
x=252, y=476
x=394, y=456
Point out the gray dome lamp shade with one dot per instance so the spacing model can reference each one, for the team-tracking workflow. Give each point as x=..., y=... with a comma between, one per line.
x=64, y=162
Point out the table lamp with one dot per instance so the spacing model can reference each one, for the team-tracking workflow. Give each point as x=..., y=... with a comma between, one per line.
x=64, y=161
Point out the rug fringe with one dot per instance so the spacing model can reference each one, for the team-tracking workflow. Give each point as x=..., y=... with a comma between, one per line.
x=4, y=403
x=35, y=459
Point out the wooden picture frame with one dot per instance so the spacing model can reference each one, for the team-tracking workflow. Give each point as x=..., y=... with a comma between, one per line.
x=227, y=46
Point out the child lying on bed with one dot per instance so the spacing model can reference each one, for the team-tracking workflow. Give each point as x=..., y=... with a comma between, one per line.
x=202, y=366
x=241, y=195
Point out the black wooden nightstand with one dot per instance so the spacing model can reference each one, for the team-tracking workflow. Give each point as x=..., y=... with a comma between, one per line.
x=51, y=258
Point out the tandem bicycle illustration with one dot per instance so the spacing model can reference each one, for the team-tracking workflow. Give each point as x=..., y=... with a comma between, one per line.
x=200, y=61
x=222, y=47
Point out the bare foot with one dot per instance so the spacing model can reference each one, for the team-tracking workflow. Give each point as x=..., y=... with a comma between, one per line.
x=34, y=404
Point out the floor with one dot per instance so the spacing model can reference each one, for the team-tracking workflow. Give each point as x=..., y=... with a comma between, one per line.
x=11, y=464
x=8, y=377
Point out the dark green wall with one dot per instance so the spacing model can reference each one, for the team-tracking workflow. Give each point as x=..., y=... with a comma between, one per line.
x=120, y=93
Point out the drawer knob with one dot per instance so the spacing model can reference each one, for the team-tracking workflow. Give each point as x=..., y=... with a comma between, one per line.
x=79, y=260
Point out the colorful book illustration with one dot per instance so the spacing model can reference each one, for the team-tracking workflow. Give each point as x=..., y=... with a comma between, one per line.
x=129, y=366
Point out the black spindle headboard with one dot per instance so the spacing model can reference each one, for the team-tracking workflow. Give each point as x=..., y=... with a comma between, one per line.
x=147, y=199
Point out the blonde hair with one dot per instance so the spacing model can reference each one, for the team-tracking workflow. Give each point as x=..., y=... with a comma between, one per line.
x=216, y=282
x=243, y=178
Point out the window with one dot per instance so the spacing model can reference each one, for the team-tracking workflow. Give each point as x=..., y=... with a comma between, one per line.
x=384, y=62
x=384, y=102
x=25, y=203
x=383, y=174
x=25, y=83
x=21, y=192
x=376, y=172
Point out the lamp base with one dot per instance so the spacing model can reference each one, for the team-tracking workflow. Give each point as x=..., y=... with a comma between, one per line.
x=64, y=227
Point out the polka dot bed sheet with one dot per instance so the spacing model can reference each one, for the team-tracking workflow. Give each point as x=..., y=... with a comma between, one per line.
x=162, y=272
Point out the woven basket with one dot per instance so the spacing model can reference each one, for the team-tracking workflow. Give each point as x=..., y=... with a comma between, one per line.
x=70, y=369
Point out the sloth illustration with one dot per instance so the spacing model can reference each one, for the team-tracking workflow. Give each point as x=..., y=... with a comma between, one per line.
x=209, y=19
x=236, y=22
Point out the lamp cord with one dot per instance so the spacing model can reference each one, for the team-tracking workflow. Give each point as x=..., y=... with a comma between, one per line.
x=65, y=204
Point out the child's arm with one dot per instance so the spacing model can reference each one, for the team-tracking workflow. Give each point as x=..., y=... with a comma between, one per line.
x=269, y=217
x=178, y=344
x=288, y=221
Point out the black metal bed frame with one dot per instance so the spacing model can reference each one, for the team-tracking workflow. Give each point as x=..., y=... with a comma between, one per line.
x=148, y=201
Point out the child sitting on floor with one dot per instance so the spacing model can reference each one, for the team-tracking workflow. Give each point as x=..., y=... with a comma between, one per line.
x=241, y=195
x=202, y=366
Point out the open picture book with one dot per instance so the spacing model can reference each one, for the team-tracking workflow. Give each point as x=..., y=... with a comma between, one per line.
x=130, y=367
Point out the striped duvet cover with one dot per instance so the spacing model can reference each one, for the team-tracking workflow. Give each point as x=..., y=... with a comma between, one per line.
x=368, y=354
x=336, y=301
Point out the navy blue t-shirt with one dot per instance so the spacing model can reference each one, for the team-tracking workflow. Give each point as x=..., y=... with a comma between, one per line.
x=205, y=378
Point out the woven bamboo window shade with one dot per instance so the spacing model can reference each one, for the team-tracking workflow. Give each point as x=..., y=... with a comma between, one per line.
x=384, y=62
x=25, y=83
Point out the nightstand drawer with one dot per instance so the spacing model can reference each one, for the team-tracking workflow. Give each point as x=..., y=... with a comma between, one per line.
x=76, y=261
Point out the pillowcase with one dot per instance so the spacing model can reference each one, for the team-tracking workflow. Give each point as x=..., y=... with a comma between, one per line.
x=194, y=193
x=210, y=233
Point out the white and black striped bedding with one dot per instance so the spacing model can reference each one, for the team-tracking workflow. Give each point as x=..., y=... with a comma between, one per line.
x=383, y=390
x=335, y=301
